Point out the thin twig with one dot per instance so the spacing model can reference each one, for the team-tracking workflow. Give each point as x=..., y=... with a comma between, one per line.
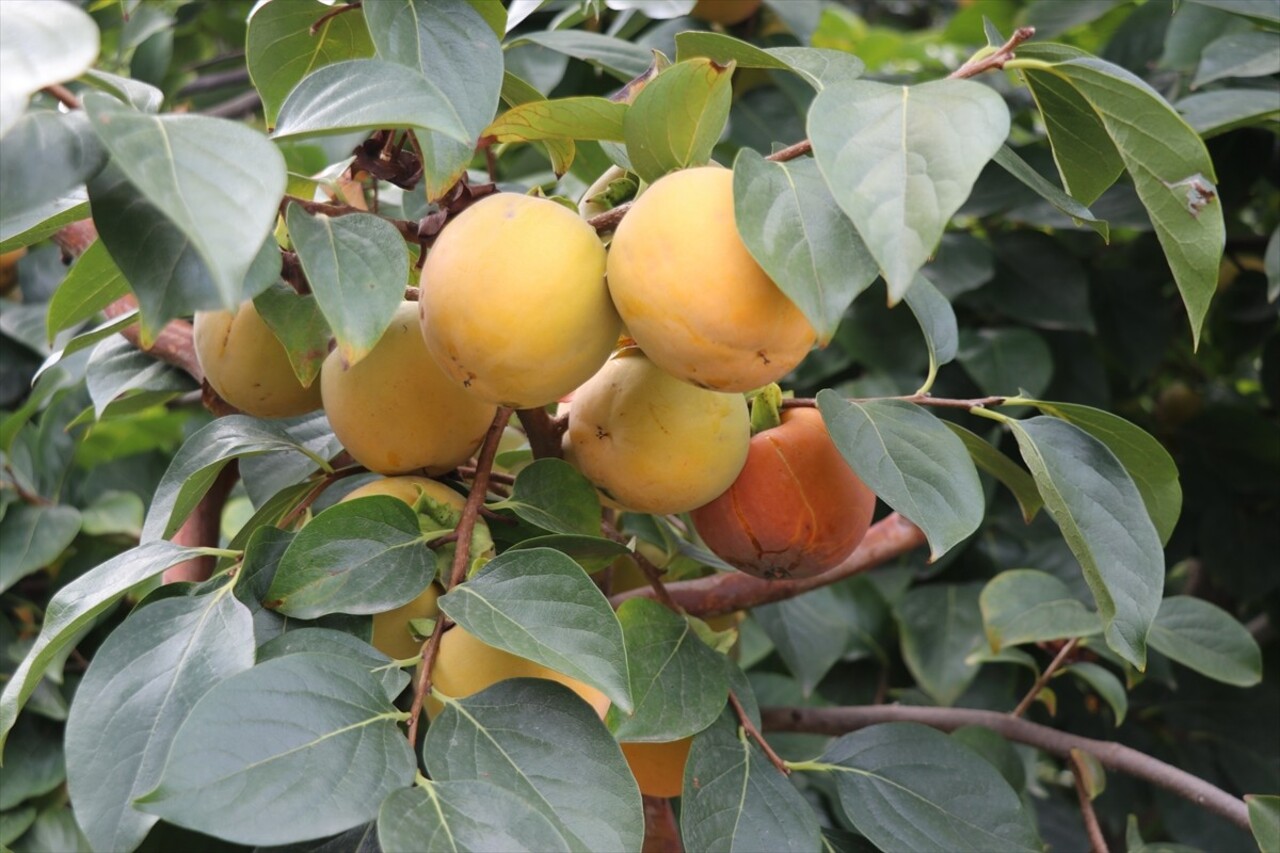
x=744, y=719
x=24, y=494
x=310, y=497
x=242, y=104
x=791, y=152
x=65, y=96
x=1059, y=659
x=217, y=80
x=469, y=472
x=333, y=13
x=1115, y=756
x=1078, y=772
x=654, y=575
x=995, y=60
x=461, y=559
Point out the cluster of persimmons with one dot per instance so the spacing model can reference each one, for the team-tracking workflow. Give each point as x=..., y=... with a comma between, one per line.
x=647, y=347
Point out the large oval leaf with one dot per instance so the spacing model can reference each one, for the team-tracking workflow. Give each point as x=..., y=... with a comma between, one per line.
x=32, y=536
x=69, y=154
x=464, y=815
x=677, y=118
x=43, y=43
x=1027, y=606
x=1204, y=637
x=940, y=625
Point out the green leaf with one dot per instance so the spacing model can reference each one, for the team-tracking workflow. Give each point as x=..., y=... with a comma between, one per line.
x=201, y=458
x=1105, y=684
x=538, y=740
x=297, y=322
x=339, y=644
x=551, y=494
x=357, y=266
x=1206, y=638
x=1003, y=360
x=1148, y=463
x=1100, y=513
x=937, y=321
x=54, y=829
x=367, y=94
x=1009, y=160
x=280, y=49
x=34, y=763
x=15, y=822
x=621, y=59
x=33, y=536
x=1253, y=53
x=43, y=43
x=516, y=92
x=795, y=230
x=996, y=750
x=32, y=226
x=734, y=799
x=113, y=512
x=1264, y=819
x=1027, y=606
x=93, y=283
x=1170, y=167
x=810, y=632
x=117, y=367
x=449, y=43
x=69, y=155
x=135, y=93
x=562, y=118
x=593, y=553
x=463, y=815
x=899, y=164
x=143, y=682
x=1216, y=112
x=1246, y=8
x=1004, y=469
x=912, y=462
x=74, y=607
x=320, y=722
x=227, y=219
x=678, y=683
x=907, y=787
x=678, y=117
x=820, y=66
x=540, y=605
x=940, y=625
x=363, y=556
x=817, y=66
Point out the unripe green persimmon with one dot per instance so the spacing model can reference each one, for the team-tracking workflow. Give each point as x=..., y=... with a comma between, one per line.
x=653, y=443
x=396, y=411
x=692, y=296
x=514, y=306
x=248, y=366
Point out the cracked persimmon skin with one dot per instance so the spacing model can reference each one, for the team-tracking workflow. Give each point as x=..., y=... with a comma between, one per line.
x=652, y=443
x=795, y=511
x=248, y=366
x=513, y=302
x=395, y=411
x=690, y=293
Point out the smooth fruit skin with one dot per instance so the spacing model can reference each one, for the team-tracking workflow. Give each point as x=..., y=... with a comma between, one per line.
x=395, y=410
x=466, y=665
x=658, y=767
x=724, y=11
x=795, y=511
x=692, y=296
x=653, y=443
x=514, y=307
x=248, y=366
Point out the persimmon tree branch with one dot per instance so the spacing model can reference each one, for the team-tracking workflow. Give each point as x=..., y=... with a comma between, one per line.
x=544, y=432
x=1063, y=653
x=730, y=591
x=1097, y=842
x=202, y=528
x=1115, y=756
x=748, y=726
x=461, y=559
x=661, y=832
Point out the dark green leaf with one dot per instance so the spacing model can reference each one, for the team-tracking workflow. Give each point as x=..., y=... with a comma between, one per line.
x=898, y=166
x=463, y=815
x=551, y=494
x=938, y=322
x=143, y=682
x=1100, y=512
x=1253, y=53
x=55, y=829
x=539, y=604
x=1002, y=361
x=912, y=462
x=74, y=607
x=357, y=266
x=795, y=230
x=734, y=799
x=117, y=367
x=539, y=741
x=593, y=553
x=1004, y=469
x=33, y=536
x=297, y=322
x=940, y=625
x=42, y=43
x=1105, y=684
x=280, y=49
x=1264, y=819
x=678, y=117
x=621, y=59
x=69, y=154
x=1206, y=638
x=363, y=556
x=34, y=763
x=199, y=461
x=15, y=822
x=320, y=722
x=1212, y=113
x=339, y=644
x=93, y=283
x=908, y=787
x=32, y=226
x=678, y=684
x=811, y=632
x=997, y=750
x=1028, y=606
x=1008, y=159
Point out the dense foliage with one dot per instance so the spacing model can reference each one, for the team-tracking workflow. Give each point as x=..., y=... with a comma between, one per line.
x=1043, y=269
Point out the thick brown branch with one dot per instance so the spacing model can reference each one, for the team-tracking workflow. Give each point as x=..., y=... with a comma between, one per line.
x=661, y=832
x=730, y=591
x=544, y=433
x=838, y=721
x=202, y=528
x=461, y=559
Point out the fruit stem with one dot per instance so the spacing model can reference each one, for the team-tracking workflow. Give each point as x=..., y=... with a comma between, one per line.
x=766, y=408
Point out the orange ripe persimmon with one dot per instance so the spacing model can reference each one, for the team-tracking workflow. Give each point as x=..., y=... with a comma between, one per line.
x=658, y=767
x=796, y=510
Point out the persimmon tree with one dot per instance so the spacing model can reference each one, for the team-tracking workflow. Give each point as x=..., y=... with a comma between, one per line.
x=595, y=425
